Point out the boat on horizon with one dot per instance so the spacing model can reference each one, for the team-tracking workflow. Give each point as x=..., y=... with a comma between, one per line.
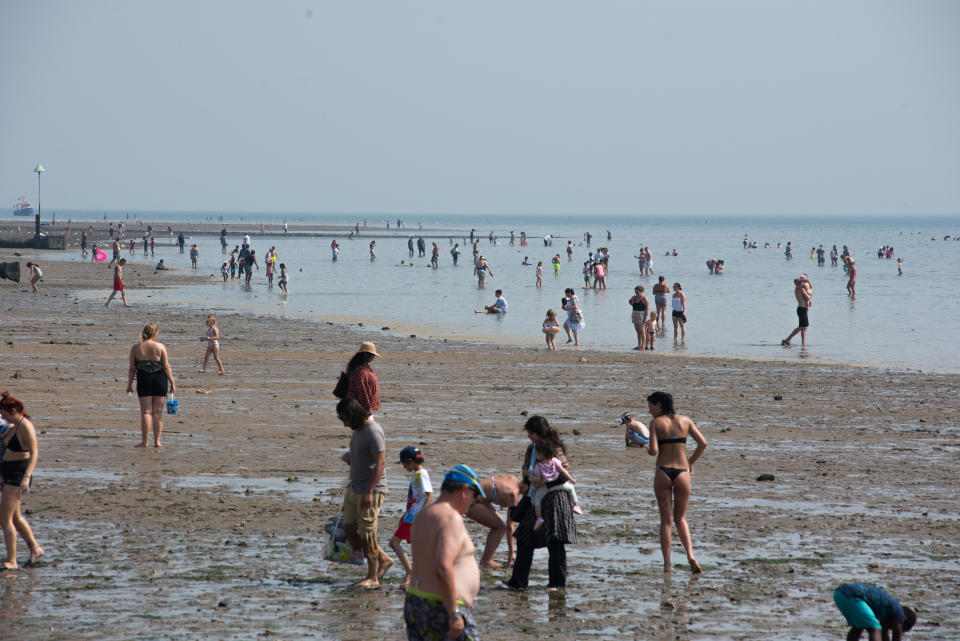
x=23, y=207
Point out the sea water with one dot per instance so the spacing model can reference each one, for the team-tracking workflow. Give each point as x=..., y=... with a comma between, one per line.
x=901, y=321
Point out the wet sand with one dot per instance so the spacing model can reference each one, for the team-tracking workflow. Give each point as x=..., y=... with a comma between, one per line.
x=220, y=533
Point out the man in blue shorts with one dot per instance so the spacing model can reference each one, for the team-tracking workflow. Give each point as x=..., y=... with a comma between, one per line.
x=867, y=607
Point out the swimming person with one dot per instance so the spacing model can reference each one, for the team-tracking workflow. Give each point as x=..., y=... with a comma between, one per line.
x=671, y=481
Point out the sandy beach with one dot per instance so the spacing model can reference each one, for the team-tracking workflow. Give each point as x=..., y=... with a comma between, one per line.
x=220, y=533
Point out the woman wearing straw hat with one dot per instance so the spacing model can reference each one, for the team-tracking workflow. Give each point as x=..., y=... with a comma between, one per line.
x=362, y=381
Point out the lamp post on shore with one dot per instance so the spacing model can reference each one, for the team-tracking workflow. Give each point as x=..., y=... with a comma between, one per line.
x=38, y=170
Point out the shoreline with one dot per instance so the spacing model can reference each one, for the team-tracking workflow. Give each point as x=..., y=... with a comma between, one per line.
x=403, y=329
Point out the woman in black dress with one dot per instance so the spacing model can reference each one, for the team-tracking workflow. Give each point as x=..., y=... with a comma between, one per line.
x=559, y=528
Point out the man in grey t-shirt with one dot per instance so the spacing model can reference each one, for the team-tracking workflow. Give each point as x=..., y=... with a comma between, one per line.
x=362, y=499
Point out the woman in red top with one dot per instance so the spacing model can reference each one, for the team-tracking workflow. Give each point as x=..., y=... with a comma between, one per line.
x=363, y=384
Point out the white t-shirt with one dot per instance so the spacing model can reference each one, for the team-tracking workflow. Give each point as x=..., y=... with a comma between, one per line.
x=417, y=494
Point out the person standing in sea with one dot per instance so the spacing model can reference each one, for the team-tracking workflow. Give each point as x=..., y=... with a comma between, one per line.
x=679, y=313
x=364, y=495
x=481, y=269
x=640, y=305
x=574, y=323
x=851, y=277
x=660, y=291
x=803, y=292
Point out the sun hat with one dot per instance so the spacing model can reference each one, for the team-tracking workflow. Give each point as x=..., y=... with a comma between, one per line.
x=369, y=348
x=410, y=453
x=464, y=474
x=626, y=416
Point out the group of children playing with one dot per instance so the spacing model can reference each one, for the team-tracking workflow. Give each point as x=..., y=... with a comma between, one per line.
x=229, y=270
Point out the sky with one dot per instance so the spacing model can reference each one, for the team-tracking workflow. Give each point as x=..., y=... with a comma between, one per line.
x=678, y=108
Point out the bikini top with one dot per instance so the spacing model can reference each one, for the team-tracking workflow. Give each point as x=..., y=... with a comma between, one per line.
x=639, y=306
x=14, y=444
x=679, y=439
x=149, y=367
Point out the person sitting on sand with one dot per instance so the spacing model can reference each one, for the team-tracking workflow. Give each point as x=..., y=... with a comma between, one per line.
x=163, y=268
x=671, y=482
x=498, y=307
x=867, y=607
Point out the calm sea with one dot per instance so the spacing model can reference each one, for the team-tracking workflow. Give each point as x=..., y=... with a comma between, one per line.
x=908, y=321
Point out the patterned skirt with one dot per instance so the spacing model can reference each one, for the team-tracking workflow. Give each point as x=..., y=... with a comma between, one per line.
x=559, y=525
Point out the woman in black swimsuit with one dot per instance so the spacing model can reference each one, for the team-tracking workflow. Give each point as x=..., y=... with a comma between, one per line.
x=640, y=305
x=671, y=481
x=149, y=363
x=19, y=460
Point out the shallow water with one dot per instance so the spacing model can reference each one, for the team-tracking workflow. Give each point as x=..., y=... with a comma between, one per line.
x=896, y=321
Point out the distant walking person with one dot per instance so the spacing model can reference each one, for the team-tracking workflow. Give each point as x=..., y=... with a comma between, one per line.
x=118, y=282
x=803, y=292
x=213, y=344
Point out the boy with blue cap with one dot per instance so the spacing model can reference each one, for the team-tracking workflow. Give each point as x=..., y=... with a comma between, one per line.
x=446, y=577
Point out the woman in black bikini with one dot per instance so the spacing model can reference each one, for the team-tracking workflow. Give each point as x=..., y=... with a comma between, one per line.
x=149, y=362
x=19, y=460
x=671, y=481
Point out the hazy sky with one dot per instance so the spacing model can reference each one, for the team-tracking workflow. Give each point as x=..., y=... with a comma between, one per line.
x=760, y=107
